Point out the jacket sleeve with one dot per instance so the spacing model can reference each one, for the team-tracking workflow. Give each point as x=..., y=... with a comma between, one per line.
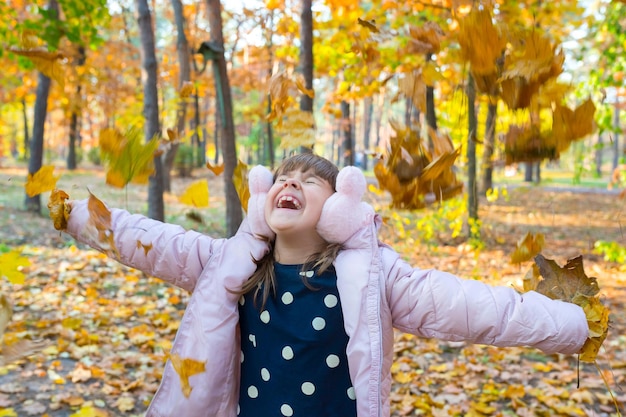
x=435, y=304
x=166, y=251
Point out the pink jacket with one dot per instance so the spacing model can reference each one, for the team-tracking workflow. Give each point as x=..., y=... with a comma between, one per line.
x=378, y=292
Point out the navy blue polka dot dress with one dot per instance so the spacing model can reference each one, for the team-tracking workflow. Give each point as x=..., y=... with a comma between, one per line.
x=294, y=350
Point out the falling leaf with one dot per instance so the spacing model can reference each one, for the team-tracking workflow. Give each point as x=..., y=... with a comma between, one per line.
x=570, y=125
x=186, y=90
x=571, y=284
x=369, y=24
x=527, y=248
x=412, y=85
x=100, y=219
x=48, y=63
x=474, y=29
x=413, y=175
x=215, y=169
x=11, y=264
x=128, y=159
x=172, y=134
x=186, y=368
x=21, y=349
x=240, y=181
x=59, y=209
x=41, y=181
x=297, y=129
x=196, y=194
x=425, y=39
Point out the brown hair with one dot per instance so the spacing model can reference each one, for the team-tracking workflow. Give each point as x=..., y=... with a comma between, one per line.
x=263, y=281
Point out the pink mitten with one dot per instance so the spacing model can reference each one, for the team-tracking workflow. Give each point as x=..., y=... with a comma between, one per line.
x=344, y=213
x=260, y=180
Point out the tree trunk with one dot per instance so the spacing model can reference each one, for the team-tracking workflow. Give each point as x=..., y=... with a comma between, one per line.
x=184, y=65
x=234, y=214
x=268, y=125
x=616, y=140
x=599, y=155
x=490, y=140
x=472, y=199
x=156, y=209
x=75, y=116
x=347, y=145
x=36, y=144
x=35, y=161
x=368, y=105
x=26, y=129
x=306, y=57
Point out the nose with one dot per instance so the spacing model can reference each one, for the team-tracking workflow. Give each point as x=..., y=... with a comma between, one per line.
x=291, y=182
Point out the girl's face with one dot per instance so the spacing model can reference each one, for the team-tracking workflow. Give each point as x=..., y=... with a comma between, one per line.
x=294, y=203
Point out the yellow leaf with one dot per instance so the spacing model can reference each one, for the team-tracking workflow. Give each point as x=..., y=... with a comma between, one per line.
x=570, y=125
x=8, y=412
x=196, y=194
x=48, y=63
x=186, y=368
x=41, y=181
x=527, y=248
x=240, y=181
x=10, y=264
x=473, y=30
x=297, y=129
x=59, y=209
x=89, y=411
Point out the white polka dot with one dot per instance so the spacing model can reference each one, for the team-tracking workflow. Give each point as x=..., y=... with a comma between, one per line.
x=330, y=301
x=242, y=300
x=252, y=338
x=253, y=392
x=286, y=410
x=265, y=374
x=319, y=323
x=332, y=361
x=308, y=388
x=265, y=316
x=287, y=353
x=351, y=393
x=241, y=357
x=287, y=298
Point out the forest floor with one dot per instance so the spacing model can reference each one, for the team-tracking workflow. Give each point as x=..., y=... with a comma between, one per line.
x=108, y=327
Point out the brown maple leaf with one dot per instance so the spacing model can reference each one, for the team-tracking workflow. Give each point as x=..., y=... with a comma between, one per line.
x=571, y=284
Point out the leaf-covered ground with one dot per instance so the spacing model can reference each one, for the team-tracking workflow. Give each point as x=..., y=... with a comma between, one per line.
x=109, y=326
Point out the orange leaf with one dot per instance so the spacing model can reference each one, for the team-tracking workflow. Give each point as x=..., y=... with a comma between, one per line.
x=215, y=169
x=186, y=368
x=146, y=248
x=100, y=218
x=59, y=209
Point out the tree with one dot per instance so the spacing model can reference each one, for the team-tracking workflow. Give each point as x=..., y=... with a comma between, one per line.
x=156, y=208
x=234, y=214
x=41, y=110
x=306, y=56
x=184, y=75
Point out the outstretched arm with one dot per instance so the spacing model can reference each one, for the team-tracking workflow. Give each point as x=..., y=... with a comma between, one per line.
x=437, y=304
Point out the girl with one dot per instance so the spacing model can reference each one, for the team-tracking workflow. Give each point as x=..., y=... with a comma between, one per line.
x=294, y=315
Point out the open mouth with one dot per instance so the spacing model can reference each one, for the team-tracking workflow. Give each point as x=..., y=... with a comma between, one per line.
x=289, y=202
